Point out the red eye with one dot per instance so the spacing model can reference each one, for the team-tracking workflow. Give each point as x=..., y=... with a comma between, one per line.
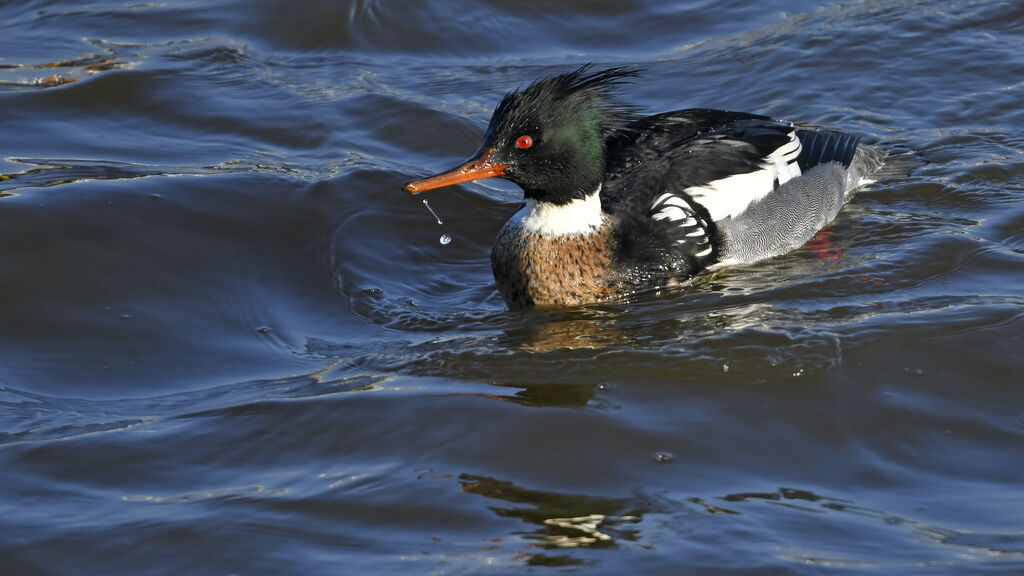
x=524, y=142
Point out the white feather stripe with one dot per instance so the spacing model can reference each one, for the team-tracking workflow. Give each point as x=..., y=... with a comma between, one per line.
x=662, y=198
x=785, y=171
x=792, y=144
x=671, y=213
x=790, y=150
x=704, y=252
x=677, y=201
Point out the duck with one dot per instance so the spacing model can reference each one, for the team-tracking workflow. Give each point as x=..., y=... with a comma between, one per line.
x=616, y=202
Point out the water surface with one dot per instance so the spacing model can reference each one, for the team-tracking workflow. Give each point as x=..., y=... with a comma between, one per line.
x=229, y=343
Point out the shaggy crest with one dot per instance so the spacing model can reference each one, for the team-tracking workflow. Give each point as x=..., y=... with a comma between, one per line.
x=563, y=121
x=577, y=94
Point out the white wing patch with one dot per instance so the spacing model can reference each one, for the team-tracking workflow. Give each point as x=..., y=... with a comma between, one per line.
x=729, y=197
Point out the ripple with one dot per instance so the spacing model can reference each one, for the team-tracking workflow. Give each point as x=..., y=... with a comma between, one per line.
x=29, y=417
x=50, y=172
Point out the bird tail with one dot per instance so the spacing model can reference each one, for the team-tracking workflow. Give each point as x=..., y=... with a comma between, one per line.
x=821, y=145
x=865, y=164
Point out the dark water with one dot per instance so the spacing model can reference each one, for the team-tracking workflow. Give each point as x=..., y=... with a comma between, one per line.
x=229, y=344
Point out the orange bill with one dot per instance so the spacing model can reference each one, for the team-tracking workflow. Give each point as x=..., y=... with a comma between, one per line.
x=477, y=168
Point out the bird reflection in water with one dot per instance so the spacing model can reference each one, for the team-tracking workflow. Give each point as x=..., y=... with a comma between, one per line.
x=559, y=521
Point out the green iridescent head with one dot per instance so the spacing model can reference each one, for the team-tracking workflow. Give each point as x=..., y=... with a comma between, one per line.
x=551, y=134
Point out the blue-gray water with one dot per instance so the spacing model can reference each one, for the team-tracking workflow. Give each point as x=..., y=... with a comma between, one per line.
x=229, y=343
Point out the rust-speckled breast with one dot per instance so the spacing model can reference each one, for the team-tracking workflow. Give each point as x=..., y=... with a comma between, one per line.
x=540, y=270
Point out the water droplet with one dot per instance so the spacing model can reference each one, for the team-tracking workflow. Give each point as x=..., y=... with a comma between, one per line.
x=446, y=239
x=664, y=457
x=126, y=316
x=436, y=217
x=263, y=330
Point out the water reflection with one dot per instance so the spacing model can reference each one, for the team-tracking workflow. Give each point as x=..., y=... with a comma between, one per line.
x=553, y=334
x=558, y=520
x=58, y=73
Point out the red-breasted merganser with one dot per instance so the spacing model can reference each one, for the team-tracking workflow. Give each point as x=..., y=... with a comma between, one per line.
x=616, y=203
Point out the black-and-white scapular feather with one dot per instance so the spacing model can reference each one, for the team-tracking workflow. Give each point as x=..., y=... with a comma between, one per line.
x=753, y=187
x=691, y=227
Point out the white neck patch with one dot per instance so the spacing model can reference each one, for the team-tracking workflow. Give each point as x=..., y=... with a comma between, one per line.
x=547, y=219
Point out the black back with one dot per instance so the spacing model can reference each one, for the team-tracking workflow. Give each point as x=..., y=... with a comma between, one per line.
x=668, y=153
